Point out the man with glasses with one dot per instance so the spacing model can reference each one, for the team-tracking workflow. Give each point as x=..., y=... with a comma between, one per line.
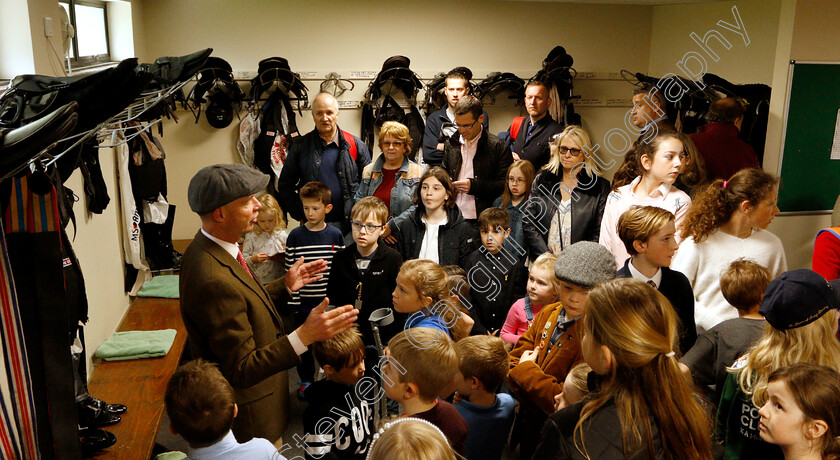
x=476, y=160
x=441, y=124
x=530, y=141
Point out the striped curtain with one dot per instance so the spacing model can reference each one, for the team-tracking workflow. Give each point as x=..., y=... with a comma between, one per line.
x=18, y=436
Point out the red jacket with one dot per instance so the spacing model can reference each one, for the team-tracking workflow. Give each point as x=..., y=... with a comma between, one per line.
x=724, y=152
x=826, y=260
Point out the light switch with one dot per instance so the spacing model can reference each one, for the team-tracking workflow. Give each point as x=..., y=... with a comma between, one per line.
x=48, y=27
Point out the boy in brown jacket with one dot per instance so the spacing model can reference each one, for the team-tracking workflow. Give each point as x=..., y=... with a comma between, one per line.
x=549, y=349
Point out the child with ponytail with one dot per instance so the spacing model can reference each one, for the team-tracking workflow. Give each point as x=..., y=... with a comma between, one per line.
x=727, y=221
x=644, y=408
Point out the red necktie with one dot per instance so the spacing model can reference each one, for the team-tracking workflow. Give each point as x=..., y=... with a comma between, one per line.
x=241, y=259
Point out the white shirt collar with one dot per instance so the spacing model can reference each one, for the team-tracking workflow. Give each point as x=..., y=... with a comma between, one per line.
x=450, y=114
x=636, y=274
x=663, y=188
x=230, y=248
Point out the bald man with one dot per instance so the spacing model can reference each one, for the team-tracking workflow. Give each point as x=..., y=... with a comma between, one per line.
x=324, y=155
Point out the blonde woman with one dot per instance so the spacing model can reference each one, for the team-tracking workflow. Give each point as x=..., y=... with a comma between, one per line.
x=552, y=219
x=801, y=309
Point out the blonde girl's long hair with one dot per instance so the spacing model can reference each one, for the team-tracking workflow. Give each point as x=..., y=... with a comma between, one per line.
x=813, y=343
x=527, y=170
x=639, y=327
x=269, y=203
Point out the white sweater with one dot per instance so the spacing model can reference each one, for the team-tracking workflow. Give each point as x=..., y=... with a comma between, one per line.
x=704, y=263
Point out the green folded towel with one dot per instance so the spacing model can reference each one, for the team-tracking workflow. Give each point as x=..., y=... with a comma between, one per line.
x=165, y=286
x=136, y=344
x=174, y=455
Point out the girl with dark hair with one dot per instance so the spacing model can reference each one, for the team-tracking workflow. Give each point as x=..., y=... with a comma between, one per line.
x=727, y=221
x=435, y=228
x=800, y=414
x=644, y=407
x=660, y=163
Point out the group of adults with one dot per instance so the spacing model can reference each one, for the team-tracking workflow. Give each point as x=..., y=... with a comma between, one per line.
x=234, y=321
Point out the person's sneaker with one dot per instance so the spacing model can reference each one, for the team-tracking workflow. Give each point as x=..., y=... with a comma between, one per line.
x=302, y=386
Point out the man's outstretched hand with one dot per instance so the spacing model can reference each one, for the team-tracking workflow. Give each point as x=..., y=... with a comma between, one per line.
x=300, y=274
x=323, y=325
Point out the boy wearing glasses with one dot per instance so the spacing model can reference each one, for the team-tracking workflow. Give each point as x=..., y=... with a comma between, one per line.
x=364, y=274
x=313, y=240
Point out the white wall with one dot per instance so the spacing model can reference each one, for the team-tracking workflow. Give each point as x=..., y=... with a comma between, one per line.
x=15, y=40
x=360, y=35
x=741, y=63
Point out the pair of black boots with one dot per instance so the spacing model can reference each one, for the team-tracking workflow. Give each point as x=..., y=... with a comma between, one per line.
x=93, y=414
x=157, y=244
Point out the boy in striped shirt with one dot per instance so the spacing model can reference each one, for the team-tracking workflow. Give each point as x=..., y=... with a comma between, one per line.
x=313, y=240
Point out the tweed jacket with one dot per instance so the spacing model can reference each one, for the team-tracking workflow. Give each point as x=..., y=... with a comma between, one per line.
x=536, y=382
x=231, y=320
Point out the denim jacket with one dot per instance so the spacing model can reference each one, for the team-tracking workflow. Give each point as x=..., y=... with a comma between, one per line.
x=405, y=184
x=516, y=214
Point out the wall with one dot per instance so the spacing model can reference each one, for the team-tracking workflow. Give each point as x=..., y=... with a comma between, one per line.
x=741, y=63
x=15, y=40
x=498, y=36
x=805, y=29
x=774, y=40
x=96, y=238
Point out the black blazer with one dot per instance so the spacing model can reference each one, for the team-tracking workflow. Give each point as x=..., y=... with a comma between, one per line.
x=676, y=288
x=587, y=210
x=492, y=158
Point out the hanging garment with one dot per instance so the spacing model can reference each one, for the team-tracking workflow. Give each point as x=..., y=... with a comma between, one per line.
x=18, y=431
x=49, y=312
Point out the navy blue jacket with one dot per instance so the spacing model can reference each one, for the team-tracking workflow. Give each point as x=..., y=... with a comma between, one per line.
x=536, y=149
x=676, y=288
x=303, y=163
x=431, y=155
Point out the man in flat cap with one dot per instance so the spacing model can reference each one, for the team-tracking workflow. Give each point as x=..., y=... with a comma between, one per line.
x=230, y=317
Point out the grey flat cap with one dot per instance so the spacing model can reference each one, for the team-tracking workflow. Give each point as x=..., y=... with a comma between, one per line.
x=585, y=264
x=215, y=186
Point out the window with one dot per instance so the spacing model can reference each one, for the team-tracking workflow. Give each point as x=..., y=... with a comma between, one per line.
x=90, y=44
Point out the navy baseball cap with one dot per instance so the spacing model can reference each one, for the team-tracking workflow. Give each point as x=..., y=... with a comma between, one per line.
x=797, y=298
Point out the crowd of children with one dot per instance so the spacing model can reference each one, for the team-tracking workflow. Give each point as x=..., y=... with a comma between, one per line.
x=636, y=323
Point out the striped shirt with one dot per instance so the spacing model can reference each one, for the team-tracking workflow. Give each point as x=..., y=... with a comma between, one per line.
x=312, y=245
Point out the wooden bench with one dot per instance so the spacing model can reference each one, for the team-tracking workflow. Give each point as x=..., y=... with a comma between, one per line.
x=140, y=383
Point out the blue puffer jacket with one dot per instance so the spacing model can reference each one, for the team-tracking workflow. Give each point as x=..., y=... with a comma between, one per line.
x=303, y=163
x=402, y=195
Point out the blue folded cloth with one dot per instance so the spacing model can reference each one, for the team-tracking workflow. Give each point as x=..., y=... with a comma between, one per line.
x=136, y=344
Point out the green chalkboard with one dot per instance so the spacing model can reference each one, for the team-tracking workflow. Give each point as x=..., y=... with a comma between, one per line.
x=810, y=179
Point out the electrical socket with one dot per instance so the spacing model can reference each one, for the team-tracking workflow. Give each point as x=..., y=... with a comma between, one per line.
x=48, y=27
